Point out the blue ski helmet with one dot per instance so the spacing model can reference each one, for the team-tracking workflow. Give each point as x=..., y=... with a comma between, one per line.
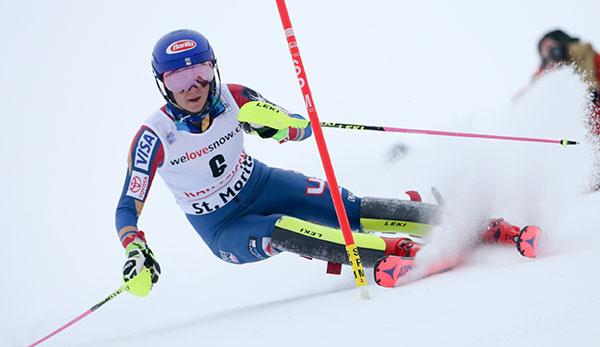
x=178, y=49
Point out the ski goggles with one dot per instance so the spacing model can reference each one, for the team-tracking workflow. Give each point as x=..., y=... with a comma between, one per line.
x=183, y=79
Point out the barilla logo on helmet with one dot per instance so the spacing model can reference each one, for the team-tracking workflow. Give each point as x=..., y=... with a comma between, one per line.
x=181, y=46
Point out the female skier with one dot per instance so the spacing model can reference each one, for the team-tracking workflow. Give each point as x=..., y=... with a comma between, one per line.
x=243, y=209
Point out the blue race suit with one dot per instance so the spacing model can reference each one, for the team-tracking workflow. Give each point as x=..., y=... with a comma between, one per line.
x=240, y=230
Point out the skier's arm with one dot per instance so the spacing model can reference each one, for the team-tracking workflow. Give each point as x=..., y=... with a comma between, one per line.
x=243, y=95
x=146, y=154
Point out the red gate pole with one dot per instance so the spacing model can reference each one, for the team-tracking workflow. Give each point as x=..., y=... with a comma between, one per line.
x=340, y=210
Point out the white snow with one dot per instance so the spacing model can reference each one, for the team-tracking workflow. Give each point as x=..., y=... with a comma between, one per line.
x=76, y=83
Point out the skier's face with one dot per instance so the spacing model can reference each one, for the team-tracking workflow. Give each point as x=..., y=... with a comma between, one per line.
x=190, y=85
x=547, y=45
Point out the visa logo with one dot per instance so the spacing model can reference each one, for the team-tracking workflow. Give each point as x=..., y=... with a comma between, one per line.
x=144, y=149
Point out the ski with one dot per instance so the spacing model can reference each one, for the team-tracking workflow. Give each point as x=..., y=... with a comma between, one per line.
x=528, y=241
x=392, y=271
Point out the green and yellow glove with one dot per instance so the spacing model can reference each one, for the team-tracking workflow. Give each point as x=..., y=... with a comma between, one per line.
x=268, y=120
x=141, y=270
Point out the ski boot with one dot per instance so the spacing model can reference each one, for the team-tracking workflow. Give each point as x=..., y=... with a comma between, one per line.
x=401, y=247
x=501, y=232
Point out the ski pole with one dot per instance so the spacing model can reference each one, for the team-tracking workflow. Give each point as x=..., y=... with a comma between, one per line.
x=351, y=248
x=563, y=142
x=83, y=315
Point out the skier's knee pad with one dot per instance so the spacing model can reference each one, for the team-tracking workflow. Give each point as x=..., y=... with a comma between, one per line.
x=246, y=249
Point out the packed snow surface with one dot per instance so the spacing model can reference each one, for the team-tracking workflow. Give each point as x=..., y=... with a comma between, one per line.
x=76, y=83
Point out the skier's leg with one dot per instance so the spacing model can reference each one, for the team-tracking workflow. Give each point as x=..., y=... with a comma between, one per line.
x=241, y=231
x=326, y=243
x=416, y=219
x=395, y=215
x=245, y=239
x=251, y=238
x=293, y=194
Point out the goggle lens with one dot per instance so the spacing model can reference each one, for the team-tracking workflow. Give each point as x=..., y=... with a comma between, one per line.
x=181, y=80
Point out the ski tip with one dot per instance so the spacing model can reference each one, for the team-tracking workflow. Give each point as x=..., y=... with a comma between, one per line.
x=389, y=269
x=438, y=196
x=528, y=241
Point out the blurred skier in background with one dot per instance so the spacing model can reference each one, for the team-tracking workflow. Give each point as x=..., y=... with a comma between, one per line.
x=244, y=210
x=557, y=48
